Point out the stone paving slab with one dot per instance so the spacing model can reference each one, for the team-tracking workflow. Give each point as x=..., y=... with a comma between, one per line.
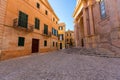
x=60, y=66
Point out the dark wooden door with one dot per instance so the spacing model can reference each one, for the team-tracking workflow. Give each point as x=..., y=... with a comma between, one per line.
x=60, y=45
x=35, y=45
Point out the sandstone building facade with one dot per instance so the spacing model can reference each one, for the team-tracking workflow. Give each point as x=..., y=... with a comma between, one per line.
x=69, y=39
x=61, y=36
x=27, y=26
x=97, y=24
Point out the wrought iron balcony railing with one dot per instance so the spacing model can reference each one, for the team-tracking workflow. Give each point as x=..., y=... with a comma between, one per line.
x=29, y=27
x=47, y=34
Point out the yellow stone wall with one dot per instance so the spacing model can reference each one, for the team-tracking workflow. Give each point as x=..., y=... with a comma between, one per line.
x=69, y=35
x=63, y=25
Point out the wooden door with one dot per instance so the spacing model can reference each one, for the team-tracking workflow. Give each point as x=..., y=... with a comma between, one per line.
x=35, y=45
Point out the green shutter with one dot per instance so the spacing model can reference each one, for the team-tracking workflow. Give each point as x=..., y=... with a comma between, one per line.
x=21, y=41
x=45, y=29
x=45, y=43
x=23, y=20
x=37, y=23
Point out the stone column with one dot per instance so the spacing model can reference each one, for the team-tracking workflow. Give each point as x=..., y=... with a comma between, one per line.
x=85, y=22
x=75, y=34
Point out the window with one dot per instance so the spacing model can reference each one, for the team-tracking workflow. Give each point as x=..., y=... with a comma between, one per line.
x=23, y=20
x=53, y=44
x=37, y=23
x=54, y=32
x=21, y=41
x=53, y=19
x=61, y=37
x=38, y=5
x=45, y=43
x=60, y=28
x=45, y=29
x=46, y=12
x=102, y=9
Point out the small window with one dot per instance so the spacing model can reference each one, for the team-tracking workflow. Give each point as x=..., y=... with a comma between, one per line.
x=45, y=43
x=37, y=23
x=21, y=41
x=60, y=28
x=53, y=19
x=61, y=37
x=38, y=5
x=53, y=44
x=46, y=12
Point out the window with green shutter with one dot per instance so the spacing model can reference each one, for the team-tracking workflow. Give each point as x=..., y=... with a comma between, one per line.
x=21, y=41
x=53, y=44
x=45, y=43
x=37, y=23
x=23, y=20
x=45, y=29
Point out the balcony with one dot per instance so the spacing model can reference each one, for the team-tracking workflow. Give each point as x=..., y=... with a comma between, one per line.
x=29, y=27
x=47, y=34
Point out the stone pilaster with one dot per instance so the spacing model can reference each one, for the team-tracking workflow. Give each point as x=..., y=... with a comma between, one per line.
x=76, y=34
x=3, y=4
x=91, y=20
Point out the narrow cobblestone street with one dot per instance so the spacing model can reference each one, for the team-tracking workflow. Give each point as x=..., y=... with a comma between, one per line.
x=61, y=65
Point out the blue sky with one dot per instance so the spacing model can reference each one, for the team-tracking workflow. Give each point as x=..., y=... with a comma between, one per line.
x=64, y=10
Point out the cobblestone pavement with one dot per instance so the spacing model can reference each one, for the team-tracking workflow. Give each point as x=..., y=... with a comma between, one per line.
x=60, y=65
